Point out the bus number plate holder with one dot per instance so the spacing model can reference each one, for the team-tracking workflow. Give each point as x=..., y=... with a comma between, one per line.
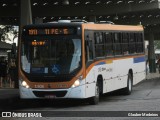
x=50, y=96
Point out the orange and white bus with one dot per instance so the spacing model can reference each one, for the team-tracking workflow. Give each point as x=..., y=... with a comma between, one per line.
x=79, y=60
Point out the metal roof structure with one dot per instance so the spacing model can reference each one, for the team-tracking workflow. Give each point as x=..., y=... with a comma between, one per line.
x=145, y=12
x=134, y=12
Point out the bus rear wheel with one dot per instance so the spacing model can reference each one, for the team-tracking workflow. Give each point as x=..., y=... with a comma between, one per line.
x=95, y=100
x=128, y=89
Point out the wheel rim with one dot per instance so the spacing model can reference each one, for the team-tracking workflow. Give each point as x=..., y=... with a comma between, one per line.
x=97, y=91
x=129, y=84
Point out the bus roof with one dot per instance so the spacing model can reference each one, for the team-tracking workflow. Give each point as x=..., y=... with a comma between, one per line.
x=89, y=26
x=48, y=25
x=112, y=27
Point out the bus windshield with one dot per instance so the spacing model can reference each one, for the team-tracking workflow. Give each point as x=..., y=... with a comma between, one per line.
x=53, y=56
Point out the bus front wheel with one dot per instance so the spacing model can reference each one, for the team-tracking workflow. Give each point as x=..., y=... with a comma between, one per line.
x=95, y=99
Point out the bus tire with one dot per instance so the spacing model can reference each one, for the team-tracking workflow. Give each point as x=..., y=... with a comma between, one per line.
x=128, y=89
x=95, y=99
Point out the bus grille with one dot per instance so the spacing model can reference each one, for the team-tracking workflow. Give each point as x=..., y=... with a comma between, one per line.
x=50, y=79
x=52, y=93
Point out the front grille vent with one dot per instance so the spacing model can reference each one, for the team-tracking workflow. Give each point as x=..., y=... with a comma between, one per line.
x=50, y=93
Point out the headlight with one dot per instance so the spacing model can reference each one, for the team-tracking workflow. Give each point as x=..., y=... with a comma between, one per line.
x=76, y=83
x=24, y=84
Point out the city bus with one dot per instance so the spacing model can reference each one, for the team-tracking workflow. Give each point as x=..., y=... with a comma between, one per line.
x=79, y=60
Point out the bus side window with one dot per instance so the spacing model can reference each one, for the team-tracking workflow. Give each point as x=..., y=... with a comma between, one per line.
x=139, y=43
x=99, y=44
x=108, y=44
x=132, y=45
x=125, y=40
x=89, y=48
x=117, y=43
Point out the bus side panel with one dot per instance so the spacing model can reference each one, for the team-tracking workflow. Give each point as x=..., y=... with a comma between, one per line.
x=109, y=81
x=122, y=67
x=115, y=74
x=139, y=73
x=90, y=83
x=104, y=69
x=139, y=77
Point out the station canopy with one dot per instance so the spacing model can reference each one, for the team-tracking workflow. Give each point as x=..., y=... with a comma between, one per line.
x=144, y=12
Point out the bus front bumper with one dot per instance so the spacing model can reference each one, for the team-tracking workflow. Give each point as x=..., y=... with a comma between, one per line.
x=29, y=93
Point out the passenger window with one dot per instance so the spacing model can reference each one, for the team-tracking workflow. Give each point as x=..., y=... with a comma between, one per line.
x=125, y=39
x=132, y=44
x=99, y=44
x=139, y=43
x=117, y=43
x=89, y=46
x=108, y=44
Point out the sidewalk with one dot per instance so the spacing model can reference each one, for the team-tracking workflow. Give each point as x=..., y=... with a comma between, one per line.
x=153, y=75
x=8, y=98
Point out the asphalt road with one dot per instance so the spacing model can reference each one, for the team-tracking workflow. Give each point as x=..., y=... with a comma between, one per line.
x=145, y=97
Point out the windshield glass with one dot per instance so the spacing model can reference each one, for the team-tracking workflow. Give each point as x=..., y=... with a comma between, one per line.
x=51, y=56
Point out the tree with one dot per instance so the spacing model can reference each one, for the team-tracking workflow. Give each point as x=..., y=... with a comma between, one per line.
x=156, y=44
x=6, y=30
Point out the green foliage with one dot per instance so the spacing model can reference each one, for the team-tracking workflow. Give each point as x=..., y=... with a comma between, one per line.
x=4, y=30
x=156, y=44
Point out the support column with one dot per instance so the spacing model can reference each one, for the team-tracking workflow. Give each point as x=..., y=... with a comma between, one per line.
x=26, y=13
x=25, y=19
x=151, y=54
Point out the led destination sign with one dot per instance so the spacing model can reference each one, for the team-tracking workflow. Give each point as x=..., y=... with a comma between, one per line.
x=51, y=31
x=38, y=43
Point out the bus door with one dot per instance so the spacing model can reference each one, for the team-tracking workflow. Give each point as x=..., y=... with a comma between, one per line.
x=89, y=61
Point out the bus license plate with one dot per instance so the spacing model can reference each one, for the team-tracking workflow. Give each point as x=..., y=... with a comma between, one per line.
x=50, y=96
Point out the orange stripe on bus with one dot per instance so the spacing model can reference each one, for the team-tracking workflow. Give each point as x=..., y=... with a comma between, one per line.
x=112, y=27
